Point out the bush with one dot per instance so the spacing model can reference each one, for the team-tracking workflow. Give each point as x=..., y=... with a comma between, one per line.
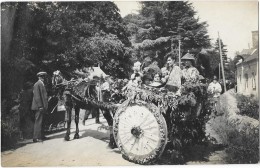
x=248, y=106
x=240, y=133
x=242, y=148
x=10, y=124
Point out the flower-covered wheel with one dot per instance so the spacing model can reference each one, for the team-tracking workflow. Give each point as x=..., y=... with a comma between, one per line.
x=140, y=131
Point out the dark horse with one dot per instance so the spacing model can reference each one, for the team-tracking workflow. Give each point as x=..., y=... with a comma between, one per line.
x=74, y=93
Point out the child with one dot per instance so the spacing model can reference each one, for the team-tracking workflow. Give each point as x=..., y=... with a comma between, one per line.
x=156, y=80
x=165, y=75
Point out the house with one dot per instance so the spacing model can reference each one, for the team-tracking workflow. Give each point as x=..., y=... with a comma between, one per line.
x=247, y=69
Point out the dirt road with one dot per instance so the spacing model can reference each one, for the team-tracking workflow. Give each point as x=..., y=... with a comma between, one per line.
x=90, y=150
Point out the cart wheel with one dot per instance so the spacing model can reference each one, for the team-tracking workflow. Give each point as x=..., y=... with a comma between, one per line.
x=140, y=131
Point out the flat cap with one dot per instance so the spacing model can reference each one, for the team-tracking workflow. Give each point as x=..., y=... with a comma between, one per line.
x=41, y=73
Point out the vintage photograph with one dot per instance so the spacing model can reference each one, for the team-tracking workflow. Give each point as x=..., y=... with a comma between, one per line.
x=129, y=83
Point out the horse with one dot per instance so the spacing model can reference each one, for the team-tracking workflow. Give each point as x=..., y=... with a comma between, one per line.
x=74, y=94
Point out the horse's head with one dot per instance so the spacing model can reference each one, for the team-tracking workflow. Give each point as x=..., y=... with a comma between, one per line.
x=57, y=78
x=57, y=82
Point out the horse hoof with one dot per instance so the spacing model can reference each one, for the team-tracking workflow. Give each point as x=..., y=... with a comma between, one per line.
x=76, y=136
x=67, y=138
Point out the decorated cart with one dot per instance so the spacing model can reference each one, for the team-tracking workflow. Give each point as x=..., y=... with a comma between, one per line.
x=152, y=121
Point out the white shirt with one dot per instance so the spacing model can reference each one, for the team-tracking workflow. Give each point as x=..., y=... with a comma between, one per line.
x=215, y=89
x=105, y=86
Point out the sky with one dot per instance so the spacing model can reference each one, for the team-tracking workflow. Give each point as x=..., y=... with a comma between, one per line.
x=234, y=20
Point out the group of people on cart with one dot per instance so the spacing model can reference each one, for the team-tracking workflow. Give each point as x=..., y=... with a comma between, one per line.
x=170, y=77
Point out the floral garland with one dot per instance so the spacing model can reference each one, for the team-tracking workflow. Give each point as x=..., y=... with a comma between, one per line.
x=159, y=96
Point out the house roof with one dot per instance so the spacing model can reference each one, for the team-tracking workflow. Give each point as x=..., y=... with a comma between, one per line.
x=254, y=55
x=247, y=51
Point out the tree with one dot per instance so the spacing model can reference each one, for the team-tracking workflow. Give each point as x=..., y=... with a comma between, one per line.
x=223, y=49
x=73, y=35
x=159, y=26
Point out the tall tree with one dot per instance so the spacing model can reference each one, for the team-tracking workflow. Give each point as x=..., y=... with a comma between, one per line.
x=159, y=26
x=223, y=49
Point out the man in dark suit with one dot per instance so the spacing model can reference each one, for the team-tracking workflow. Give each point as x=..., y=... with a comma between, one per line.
x=39, y=105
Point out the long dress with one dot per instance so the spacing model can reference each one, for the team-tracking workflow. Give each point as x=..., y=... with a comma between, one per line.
x=174, y=81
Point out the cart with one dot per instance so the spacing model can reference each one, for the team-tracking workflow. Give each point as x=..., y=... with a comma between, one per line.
x=55, y=115
x=152, y=119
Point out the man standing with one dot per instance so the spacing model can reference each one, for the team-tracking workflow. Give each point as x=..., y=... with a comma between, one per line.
x=214, y=88
x=39, y=105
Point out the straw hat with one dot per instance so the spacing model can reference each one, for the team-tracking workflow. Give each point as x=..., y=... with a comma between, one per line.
x=188, y=56
x=41, y=74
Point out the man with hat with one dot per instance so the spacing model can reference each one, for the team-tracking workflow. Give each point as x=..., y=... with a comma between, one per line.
x=39, y=105
x=189, y=73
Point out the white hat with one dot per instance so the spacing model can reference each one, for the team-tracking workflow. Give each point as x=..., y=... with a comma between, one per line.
x=41, y=73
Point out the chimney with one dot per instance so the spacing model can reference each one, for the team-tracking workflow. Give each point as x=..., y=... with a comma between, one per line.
x=255, y=39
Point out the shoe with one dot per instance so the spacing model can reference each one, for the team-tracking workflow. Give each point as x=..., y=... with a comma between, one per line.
x=45, y=138
x=37, y=140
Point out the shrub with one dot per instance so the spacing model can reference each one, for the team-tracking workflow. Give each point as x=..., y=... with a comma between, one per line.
x=10, y=124
x=242, y=147
x=239, y=132
x=248, y=106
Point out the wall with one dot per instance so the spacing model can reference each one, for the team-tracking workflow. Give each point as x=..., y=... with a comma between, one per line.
x=247, y=78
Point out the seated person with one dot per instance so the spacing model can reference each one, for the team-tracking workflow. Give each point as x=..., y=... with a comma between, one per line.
x=137, y=69
x=136, y=81
x=165, y=75
x=156, y=80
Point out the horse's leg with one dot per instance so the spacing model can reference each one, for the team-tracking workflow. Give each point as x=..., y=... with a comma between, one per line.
x=86, y=115
x=76, y=136
x=97, y=116
x=68, y=120
x=108, y=117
